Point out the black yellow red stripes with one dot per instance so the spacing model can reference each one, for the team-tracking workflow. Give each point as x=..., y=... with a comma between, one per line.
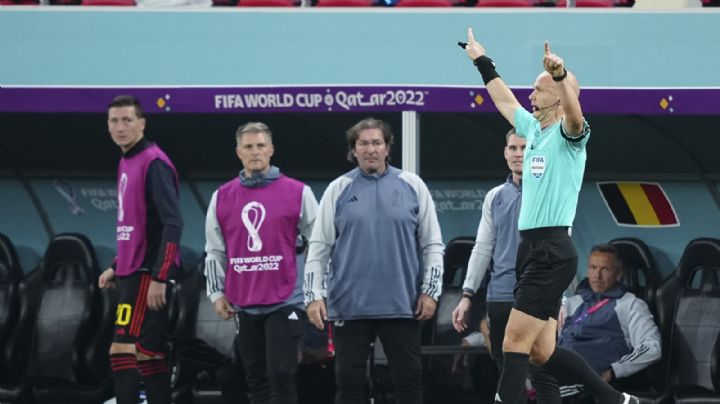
x=638, y=204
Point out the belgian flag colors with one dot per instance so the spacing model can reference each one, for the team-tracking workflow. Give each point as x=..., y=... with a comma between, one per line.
x=638, y=204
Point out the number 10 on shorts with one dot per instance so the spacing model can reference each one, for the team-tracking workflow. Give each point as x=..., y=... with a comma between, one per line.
x=124, y=311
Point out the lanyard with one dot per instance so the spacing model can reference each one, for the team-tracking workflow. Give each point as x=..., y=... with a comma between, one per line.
x=331, y=342
x=592, y=310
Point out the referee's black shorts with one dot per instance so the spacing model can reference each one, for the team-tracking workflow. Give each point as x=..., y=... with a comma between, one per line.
x=546, y=264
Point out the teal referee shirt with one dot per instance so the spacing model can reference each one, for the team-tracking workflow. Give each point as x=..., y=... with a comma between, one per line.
x=553, y=169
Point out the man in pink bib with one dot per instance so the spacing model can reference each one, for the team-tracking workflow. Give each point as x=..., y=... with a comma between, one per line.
x=149, y=227
x=252, y=226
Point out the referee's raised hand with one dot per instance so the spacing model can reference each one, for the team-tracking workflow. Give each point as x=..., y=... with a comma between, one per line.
x=553, y=63
x=473, y=49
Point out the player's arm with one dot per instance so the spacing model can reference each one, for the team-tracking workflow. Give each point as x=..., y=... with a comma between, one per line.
x=162, y=188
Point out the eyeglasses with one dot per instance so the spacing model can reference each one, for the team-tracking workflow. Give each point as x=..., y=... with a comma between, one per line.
x=362, y=144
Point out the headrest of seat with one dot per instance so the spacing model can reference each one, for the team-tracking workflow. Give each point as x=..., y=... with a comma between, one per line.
x=637, y=261
x=69, y=273
x=70, y=250
x=633, y=251
x=454, y=276
x=699, y=253
x=706, y=279
x=457, y=254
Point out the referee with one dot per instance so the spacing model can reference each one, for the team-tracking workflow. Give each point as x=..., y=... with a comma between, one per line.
x=553, y=169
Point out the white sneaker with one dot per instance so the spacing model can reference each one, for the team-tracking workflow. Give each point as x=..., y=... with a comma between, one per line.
x=628, y=399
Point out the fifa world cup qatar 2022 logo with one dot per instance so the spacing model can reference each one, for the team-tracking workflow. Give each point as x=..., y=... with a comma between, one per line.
x=253, y=216
x=122, y=186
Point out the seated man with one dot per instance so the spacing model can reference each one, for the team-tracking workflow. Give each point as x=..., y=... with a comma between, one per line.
x=611, y=328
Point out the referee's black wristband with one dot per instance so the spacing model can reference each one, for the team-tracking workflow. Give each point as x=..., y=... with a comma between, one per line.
x=560, y=77
x=486, y=67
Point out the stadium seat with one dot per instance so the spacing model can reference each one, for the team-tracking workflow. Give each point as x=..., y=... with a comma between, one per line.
x=73, y=327
x=10, y=276
x=698, y=252
x=674, y=298
x=204, y=341
x=642, y=279
x=641, y=274
x=19, y=3
x=266, y=3
x=13, y=334
x=695, y=333
x=128, y=3
x=457, y=254
x=504, y=3
x=344, y=3
x=15, y=386
x=445, y=385
x=588, y=3
x=424, y=3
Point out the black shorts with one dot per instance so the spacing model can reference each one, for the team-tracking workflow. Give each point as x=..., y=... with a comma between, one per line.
x=135, y=323
x=546, y=264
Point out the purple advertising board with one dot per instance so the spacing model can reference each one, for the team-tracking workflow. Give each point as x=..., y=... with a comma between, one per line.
x=334, y=99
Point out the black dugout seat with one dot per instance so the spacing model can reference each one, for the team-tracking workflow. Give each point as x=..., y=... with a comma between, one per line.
x=204, y=342
x=73, y=326
x=457, y=254
x=642, y=278
x=443, y=384
x=14, y=385
x=641, y=274
x=10, y=276
x=695, y=333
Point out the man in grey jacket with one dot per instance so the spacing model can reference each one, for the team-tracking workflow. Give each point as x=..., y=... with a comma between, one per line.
x=375, y=265
x=611, y=328
x=495, y=249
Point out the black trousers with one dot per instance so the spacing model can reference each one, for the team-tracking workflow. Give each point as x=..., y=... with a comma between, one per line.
x=498, y=315
x=401, y=342
x=268, y=346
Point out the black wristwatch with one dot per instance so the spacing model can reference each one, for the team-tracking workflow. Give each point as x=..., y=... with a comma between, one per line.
x=468, y=293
